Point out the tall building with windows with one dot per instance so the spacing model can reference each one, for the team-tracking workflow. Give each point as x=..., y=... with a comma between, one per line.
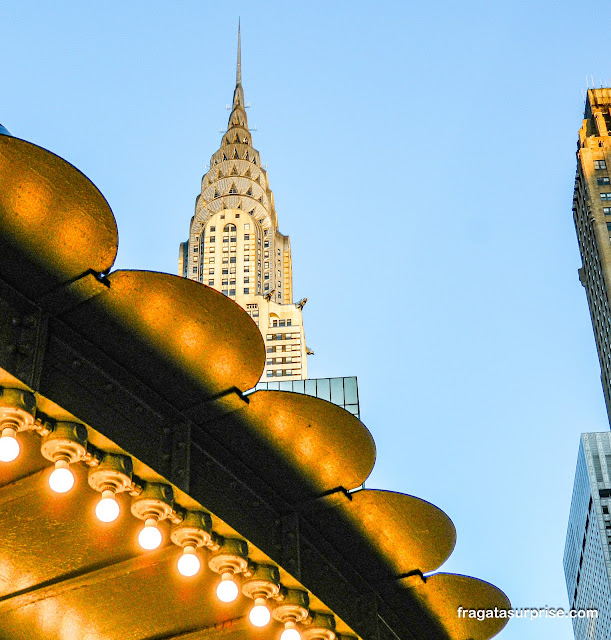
x=587, y=555
x=592, y=215
x=236, y=247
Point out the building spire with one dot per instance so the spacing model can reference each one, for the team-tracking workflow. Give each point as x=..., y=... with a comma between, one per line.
x=238, y=72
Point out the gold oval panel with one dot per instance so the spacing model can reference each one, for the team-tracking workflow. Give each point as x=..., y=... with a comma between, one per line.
x=410, y=533
x=51, y=215
x=444, y=593
x=324, y=443
x=146, y=321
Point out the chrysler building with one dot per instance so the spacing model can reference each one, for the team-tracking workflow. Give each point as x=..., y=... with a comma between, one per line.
x=235, y=246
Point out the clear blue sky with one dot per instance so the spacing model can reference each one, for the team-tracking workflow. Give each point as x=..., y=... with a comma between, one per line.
x=422, y=157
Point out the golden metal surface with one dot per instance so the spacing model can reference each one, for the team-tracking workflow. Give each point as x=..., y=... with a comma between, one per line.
x=408, y=533
x=323, y=444
x=146, y=321
x=444, y=593
x=52, y=218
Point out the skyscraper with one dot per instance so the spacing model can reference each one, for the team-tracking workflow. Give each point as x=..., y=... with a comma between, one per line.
x=235, y=246
x=587, y=557
x=592, y=215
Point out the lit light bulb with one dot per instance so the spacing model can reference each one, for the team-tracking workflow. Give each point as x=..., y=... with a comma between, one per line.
x=290, y=631
x=227, y=589
x=61, y=480
x=9, y=447
x=150, y=536
x=188, y=563
x=259, y=615
x=107, y=509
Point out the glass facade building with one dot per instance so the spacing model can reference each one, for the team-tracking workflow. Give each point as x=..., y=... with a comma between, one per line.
x=587, y=558
x=341, y=391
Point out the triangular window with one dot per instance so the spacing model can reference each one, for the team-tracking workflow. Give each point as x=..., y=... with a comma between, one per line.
x=236, y=156
x=260, y=199
x=239, y=205
x=217, y=194
x=249, y=192
x=224, y=205
x=247, y=174
x=252, y=213
x=246, y=156
x=234, y=171
x=254, y=161
x=224, y=157
x=237, y=138
x=233, y=188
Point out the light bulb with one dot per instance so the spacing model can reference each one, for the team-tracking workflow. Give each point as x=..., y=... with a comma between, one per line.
x=290, y=631
x=259, y=615
x=61, y=480
x=107, y=509
x=150, y=536
x=9, y=446
x=227, y=589
x=188, y=563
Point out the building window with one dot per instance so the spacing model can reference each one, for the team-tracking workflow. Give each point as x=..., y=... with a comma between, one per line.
x=603, y=181
x=609, y=226
x=605, y=196
x=607, y=211
x=247, y=236
x=212, y=228
x=195, y=249
x=606, y=510
x=246, y=226
x=225, y=271
x=246, y=280
x=194, y=269
x=232, y=259
x=246, y=258
x=212, y=238
x=289, y=322
x=225, y=292
x=211, y=261
x=225, y=282
x=211, y=272
x=246, y=290
x=600, y=164
x=232, y=292
x=270, y=374
x=266, y=243
x=246, y=269
x=211, y=282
